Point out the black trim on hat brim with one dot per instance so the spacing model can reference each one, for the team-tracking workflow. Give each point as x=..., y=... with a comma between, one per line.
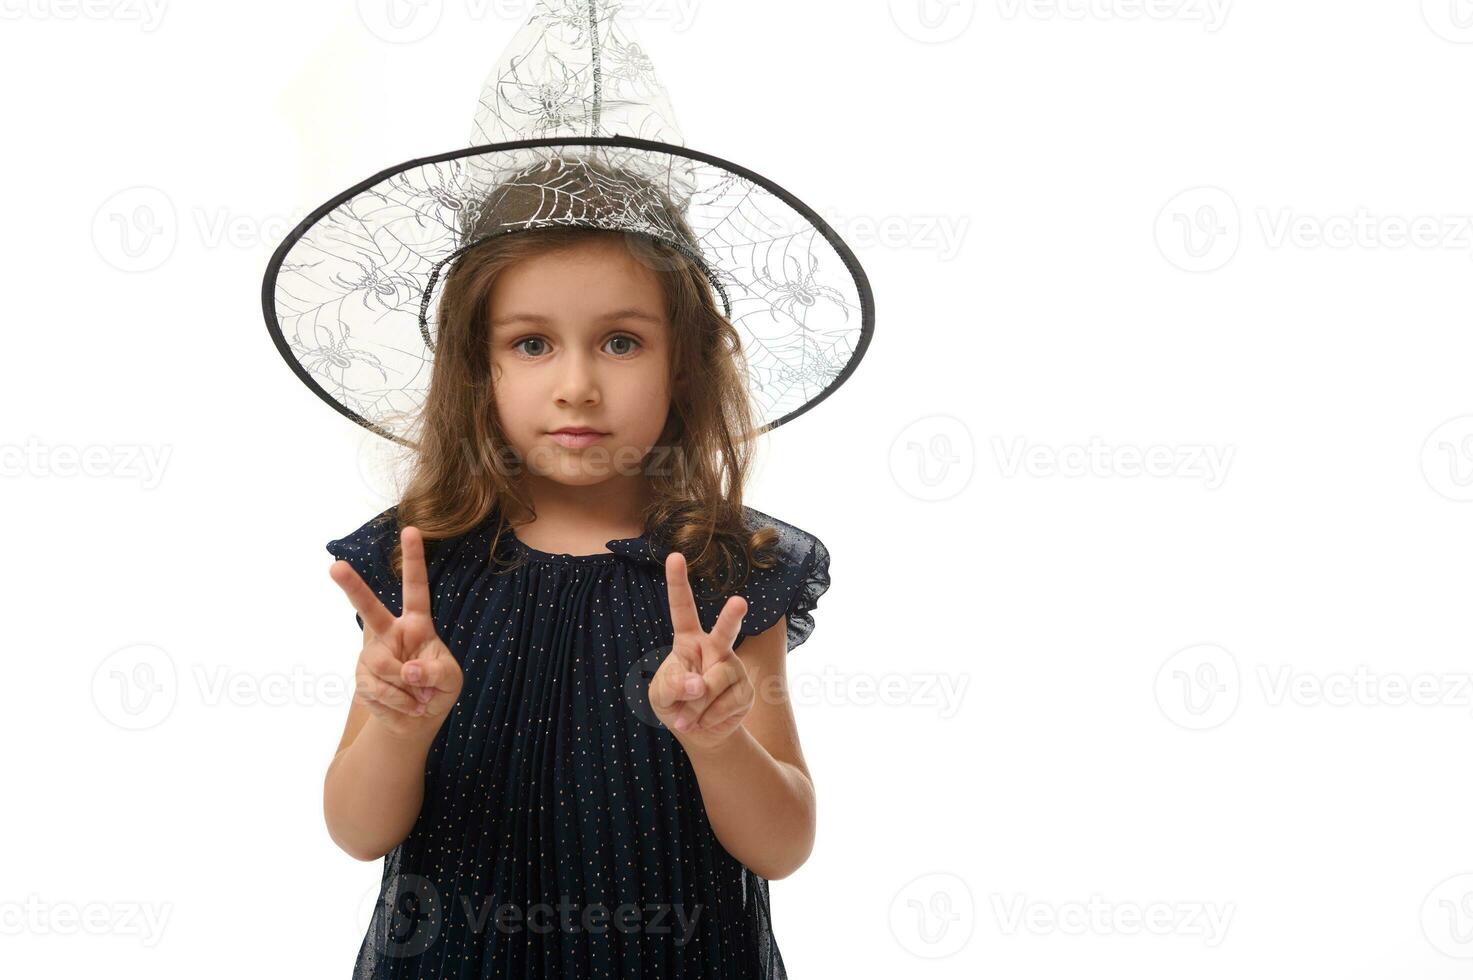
x=273, y=268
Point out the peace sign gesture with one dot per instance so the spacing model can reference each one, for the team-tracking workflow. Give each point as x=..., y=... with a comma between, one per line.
x=701, y=691
x=406, y=676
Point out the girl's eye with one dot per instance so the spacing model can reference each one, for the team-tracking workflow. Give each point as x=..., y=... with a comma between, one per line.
x=621, y=339
x=625, y=339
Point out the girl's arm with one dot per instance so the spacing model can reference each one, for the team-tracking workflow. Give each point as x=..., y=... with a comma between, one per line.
x=754, y=783
x=407, y=681
x=374, y=786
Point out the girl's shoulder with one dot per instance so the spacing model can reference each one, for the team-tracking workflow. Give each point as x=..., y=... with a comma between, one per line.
x=371, y=542
x=790, y=587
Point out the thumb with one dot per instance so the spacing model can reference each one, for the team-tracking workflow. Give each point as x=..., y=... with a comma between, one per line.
x=426, y=672
x=676, y=683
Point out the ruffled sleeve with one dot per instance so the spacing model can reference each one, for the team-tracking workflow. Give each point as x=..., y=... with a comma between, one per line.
x=369, y=550
x=790, y=588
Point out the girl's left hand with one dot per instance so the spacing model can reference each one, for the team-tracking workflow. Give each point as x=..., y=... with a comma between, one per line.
x=701, y=691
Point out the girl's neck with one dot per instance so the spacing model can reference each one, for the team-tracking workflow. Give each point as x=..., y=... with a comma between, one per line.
x=599, y=513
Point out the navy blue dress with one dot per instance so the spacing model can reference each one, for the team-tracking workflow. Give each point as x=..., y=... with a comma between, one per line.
x=562, y=832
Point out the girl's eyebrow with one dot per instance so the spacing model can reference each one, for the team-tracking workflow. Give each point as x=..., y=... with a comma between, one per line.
x=629, y=314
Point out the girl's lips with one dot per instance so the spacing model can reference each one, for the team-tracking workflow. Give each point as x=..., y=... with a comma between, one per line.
x=576, y=440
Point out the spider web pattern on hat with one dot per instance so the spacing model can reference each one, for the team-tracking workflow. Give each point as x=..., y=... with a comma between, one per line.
x=572, y=128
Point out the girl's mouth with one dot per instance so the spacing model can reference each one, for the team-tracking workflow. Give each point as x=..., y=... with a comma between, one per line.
x=576, y=438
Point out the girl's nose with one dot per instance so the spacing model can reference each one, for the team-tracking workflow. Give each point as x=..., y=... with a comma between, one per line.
x=576, y=381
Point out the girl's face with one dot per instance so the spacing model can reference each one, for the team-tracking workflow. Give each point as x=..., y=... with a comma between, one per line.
x=579, y=339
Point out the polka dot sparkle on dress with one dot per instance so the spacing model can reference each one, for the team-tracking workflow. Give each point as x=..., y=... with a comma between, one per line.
x=562, y=832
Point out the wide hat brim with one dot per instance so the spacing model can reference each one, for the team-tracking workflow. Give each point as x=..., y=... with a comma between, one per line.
x=348, y=295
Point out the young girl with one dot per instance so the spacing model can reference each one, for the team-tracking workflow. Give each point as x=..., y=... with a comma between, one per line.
x=571, y=742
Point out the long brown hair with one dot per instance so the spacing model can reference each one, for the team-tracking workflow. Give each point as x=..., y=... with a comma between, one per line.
x=463, y=467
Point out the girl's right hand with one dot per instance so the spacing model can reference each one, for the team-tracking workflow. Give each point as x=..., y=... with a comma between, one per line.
x=406, y=676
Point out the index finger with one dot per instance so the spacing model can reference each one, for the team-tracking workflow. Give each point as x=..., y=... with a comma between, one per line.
x=375, y=615
x=684, y=617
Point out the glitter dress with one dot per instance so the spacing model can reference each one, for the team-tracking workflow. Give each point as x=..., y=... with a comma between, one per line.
x=562, y=832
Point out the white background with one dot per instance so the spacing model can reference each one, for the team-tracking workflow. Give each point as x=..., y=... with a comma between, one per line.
x=1098, y=230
